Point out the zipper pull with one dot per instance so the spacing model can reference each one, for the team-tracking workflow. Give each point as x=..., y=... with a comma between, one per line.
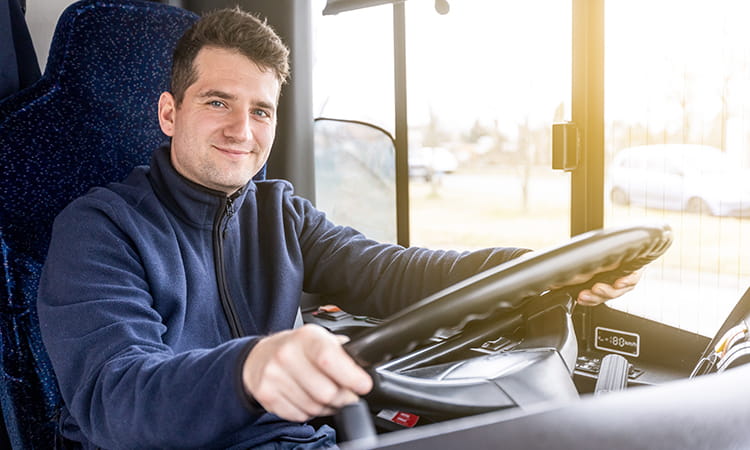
x=229, y=208
x=228, y=213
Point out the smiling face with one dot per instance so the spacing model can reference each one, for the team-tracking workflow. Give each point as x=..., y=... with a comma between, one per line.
x=223, y=130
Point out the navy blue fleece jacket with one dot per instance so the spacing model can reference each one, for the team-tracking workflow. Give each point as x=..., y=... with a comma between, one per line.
x=149, y=282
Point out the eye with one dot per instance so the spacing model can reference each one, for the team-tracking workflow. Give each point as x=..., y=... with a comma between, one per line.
x=262, y=113
x=217, y=103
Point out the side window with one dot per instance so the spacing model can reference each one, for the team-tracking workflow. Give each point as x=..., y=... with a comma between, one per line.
x=683, y=93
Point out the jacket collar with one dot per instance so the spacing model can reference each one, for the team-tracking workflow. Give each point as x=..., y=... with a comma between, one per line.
x=192, y=202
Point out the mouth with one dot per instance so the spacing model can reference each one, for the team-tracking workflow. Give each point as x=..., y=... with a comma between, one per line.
x=234, y=152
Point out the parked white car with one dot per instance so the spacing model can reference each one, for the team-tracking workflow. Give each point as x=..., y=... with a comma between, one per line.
x=426, y=162
x=693, y=178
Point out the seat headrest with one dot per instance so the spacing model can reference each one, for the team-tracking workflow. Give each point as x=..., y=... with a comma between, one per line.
x=92, y=116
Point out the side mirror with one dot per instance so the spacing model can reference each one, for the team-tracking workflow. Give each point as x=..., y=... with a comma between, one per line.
x=355, y=176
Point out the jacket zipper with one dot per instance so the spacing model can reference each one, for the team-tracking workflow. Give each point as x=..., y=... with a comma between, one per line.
x=225, y=212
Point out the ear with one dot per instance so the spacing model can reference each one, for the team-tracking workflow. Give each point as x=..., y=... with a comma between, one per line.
x=167, y=108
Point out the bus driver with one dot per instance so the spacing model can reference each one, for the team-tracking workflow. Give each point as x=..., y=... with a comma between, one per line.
x=167, y=301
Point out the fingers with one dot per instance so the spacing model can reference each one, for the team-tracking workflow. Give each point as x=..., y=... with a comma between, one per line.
x=302, y=373
x=291, y=404
x=328, y=376
x=285, y=394
x=602, y=292
x=336, y=364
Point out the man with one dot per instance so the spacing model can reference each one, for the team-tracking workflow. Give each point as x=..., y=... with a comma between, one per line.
x=168, y=301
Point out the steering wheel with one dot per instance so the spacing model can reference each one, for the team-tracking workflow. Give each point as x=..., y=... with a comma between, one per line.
x=520, y=295
x=510, y=285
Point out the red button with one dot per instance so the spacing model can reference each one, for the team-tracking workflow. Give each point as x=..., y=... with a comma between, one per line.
x=329, y=308
x=405, y=419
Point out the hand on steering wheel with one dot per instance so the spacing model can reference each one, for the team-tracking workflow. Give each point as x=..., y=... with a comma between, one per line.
x=303, y=373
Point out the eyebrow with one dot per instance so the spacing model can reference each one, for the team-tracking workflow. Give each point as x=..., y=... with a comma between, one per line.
x=227, y=96
x=217, y=93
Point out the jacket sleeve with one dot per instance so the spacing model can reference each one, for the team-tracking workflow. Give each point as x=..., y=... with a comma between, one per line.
x=367, y=277
x=123, y=385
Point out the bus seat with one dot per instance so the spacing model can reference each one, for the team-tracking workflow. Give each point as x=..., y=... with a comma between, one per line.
x=89, y=120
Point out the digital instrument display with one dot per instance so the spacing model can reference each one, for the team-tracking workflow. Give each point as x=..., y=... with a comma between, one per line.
x=617, y=341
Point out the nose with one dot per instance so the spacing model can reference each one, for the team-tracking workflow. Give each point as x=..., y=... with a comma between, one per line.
x=238, y=128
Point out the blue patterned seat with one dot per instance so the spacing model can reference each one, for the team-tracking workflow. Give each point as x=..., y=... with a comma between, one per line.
x=89, y=120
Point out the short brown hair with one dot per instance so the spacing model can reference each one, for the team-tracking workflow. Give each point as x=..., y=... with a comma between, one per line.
x=231, y=29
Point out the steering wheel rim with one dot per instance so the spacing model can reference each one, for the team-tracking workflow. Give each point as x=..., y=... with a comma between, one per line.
x=509, y=285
